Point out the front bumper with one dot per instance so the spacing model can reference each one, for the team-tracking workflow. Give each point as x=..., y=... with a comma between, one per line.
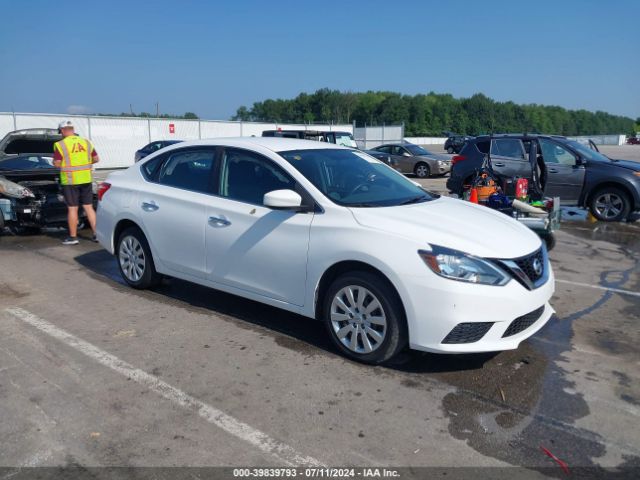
x=435, y=306
x=443, y=168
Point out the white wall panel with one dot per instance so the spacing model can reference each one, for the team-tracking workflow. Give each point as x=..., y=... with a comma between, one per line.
x=212, y=129
x=117, y=138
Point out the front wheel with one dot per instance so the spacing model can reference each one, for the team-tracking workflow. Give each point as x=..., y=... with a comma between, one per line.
x=422, y=170
x=549, y=239
x=135, y=261
x=610, y=204
x=450, y=150
x=365, y=318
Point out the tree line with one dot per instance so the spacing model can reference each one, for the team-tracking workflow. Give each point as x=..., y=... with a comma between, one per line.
x=434, y=114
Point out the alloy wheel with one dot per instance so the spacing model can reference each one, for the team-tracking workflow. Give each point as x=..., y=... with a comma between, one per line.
x=422, y=171
x=132, y=258
x=358, y=319
x=609, y=205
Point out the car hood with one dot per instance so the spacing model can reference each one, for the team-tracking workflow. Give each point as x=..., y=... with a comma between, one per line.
x=456, y=224
x=628, y=164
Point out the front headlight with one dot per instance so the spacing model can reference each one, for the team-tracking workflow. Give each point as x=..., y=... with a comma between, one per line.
x=463, y=267
x=11, y=189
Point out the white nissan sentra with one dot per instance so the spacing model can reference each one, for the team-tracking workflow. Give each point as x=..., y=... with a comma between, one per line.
x=333, y=234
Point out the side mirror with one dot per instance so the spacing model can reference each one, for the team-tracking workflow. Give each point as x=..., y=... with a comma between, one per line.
x=406, y=154
x=282, y=200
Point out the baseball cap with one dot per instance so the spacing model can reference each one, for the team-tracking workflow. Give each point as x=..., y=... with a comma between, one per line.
x=66, y=124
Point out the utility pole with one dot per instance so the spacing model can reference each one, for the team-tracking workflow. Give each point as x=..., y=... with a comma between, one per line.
x=131, y=110
x=157, y=109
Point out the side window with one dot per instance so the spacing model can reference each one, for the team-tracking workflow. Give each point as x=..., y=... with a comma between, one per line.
x=555, y=153
x=483, y=147
x=26, y=163
x=188, y=169
x=396, y=150
x=150, y=168
x=385, y=149
x=246, y=176
x=507, y=147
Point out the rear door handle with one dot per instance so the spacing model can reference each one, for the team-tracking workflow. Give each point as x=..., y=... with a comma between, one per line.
x=150, y=206
x=219, y=221
x=553, y=170
x=498, y=164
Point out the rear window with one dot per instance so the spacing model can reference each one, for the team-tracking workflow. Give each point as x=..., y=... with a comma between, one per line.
x=25, y=145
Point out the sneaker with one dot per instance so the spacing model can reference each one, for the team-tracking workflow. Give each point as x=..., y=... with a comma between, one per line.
x=94, y=239
x=70, y=241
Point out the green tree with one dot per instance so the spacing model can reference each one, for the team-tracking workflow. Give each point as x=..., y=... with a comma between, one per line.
x=432, y=113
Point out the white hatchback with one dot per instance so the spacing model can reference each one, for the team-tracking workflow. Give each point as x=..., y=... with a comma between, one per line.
x=330, y=233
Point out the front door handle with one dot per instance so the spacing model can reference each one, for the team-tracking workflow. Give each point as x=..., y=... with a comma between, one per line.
x=498, y=164
x=219, y=221
x=150, y=206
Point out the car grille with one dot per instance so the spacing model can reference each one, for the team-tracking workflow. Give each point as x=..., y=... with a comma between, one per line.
x=467, y=332
x=526, y=264
x=523, y=322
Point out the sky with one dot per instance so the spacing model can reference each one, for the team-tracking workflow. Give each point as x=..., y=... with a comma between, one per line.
x=211, y=57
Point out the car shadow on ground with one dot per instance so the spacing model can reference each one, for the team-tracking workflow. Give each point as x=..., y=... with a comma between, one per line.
x=289, y=330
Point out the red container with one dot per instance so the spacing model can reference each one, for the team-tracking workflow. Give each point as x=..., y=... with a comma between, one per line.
x=522, y=188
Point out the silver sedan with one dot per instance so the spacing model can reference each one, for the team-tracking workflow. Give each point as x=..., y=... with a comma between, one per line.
x=410, y=158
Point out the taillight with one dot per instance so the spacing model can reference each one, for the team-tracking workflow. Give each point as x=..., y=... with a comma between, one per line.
x=457, y=158
x=102, y=189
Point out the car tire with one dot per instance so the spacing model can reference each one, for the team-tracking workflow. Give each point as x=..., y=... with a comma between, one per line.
x=610, y=204
x=350, y=321
x=450, y=150
x=549, y=239
x=135, y=261
x=422, y=170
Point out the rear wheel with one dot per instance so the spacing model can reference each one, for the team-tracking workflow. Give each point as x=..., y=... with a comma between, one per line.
x=610, y=204
x=364, y=317
x=422, y=170
x=135, y=261
x=450, y=150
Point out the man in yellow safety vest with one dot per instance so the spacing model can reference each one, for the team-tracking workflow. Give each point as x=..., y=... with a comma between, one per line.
x=74, y=156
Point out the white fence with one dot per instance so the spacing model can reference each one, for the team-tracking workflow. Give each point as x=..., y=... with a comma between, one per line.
x=370, y=137
x=602, y=139
x=117, y=138
x=426, y=140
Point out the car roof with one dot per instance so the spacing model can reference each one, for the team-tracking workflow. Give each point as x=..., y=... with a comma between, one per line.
x=275, y=144
x=518, y=135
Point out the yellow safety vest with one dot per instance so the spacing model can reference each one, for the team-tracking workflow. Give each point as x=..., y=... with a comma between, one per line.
x=75, y=168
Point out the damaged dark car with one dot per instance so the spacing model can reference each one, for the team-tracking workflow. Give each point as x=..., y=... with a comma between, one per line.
x=30, y=194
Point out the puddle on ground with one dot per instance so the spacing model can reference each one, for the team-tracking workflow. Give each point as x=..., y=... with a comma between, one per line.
x=520, y=401
x=506, y=406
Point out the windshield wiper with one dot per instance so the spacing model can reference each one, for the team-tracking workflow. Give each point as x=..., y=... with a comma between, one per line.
x=417, y=199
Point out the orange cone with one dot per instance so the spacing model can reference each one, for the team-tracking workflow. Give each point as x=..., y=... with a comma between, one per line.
x=473, y=198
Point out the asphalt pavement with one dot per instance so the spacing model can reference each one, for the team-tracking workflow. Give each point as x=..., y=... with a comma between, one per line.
x=94, y=373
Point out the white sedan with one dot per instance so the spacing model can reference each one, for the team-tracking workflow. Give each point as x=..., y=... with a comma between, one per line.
x=333, y=234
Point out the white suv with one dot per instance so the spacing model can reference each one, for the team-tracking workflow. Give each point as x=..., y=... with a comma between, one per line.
x=333, y=234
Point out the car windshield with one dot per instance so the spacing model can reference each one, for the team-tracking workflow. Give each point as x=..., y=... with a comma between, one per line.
x=417, y=150
x=355, y=179
x=345, y=139
x=587, y=152
x=26, y=163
